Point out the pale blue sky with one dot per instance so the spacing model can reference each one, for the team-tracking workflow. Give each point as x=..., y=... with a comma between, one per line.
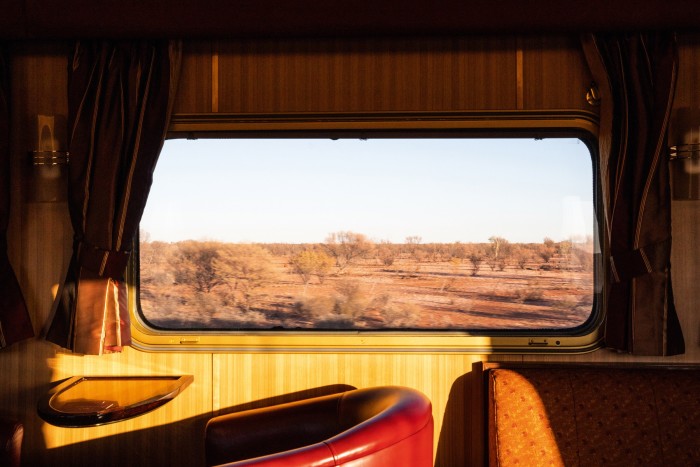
x=443, y=190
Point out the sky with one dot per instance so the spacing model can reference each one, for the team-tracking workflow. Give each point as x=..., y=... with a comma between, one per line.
x=300, y=190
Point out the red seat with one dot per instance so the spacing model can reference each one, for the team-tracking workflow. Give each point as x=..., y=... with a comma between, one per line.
x=380, y=426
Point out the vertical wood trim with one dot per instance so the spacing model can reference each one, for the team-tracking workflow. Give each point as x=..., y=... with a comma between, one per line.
x=215, y=77
x=520, y=100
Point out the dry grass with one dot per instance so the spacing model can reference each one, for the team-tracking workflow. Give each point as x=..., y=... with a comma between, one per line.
x=371, y=295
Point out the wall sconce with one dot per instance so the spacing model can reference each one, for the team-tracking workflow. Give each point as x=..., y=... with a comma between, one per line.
x=685, y=156
x=685, y=171
x=47, y=181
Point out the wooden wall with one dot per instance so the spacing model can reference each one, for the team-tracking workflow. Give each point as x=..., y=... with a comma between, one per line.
x=383, y=75
x=272, y=76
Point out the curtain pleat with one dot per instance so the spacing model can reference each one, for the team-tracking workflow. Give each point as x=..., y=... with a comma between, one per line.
x=15, y=324
x=120, y=100
x=636, y=76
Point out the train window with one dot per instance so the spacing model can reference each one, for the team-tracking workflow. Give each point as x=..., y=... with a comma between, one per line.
x=376, y=236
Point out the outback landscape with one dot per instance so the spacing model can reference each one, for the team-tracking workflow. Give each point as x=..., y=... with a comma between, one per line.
x=350, y=282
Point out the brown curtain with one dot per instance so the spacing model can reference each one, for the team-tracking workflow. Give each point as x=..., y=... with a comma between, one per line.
x=120, y=99
x=636, y=76
x=14, y=318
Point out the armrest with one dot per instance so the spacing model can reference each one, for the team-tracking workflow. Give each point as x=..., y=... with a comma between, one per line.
x=268, y=430
x=316, y=455
x=388, y=425
x=392, y=418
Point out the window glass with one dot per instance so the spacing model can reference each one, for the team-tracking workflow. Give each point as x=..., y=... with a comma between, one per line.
x=377, y=234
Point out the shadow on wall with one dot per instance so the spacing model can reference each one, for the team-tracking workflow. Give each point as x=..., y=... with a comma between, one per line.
x=174, y=444
x=26, y=376
x=454, y=446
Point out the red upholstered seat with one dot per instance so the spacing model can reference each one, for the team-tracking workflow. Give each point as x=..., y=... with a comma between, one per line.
x=380, y=426
x=11, y=433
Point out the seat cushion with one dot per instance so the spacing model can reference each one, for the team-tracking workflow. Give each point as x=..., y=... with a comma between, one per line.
x=594, y=416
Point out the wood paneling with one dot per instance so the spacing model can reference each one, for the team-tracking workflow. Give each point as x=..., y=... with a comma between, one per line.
x=555, y=73
x=685, y=119
x=194, y=93
x=367, y=75
x=428, y=74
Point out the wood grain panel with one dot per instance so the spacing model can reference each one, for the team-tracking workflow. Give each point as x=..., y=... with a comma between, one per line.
x=687, y=94
x=555, y=73
x=685, y=119
x=367, y=75
x=194, y=93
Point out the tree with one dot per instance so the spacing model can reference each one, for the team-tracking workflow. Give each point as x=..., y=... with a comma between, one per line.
x=457, y=250
x=547, y=250
x=311, y=262
x=414, y=240
x=347, y=247
x=386, y=253
x=193, y=263
x=244, y=268
x=498, y=245
x=501, y=250
x=522, y=256
x=153, y=263
x=412, y=243
x=476, y=255
x=233, y=271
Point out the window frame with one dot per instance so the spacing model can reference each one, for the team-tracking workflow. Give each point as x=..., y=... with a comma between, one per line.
x=529, y=124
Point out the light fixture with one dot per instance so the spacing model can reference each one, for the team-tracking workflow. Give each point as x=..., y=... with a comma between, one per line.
x=47, y=182
x=685, y=156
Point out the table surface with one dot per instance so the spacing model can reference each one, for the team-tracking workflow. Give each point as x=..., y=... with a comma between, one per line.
x=96, y=400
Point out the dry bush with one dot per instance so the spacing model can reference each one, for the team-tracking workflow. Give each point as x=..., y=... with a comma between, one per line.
x=227, y=274
x=400, y=315
x=529, y=294
x=387, y=253
x=584, y=258
x=347, y=247
x=351, y=307
x=476, y=254
x=308, y=263
x=193, y=265
x=324, y=314
x=244, y=268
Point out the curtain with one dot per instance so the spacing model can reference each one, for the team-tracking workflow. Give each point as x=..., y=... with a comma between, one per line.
x=15, y=324
x=636, y=76
x=120, y=98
